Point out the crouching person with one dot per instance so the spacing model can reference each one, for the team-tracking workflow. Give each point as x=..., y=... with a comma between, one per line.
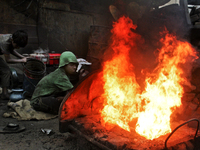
x=52, y=88
x=9, y=43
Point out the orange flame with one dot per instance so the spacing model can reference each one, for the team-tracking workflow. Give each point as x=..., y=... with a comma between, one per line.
x=153, y=107
x=165, y=93
x=120, y=84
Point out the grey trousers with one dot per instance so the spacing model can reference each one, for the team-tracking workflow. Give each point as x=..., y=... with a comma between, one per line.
x=5, y=73
x=47, y=104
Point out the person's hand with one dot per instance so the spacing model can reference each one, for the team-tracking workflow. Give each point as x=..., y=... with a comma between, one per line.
x=83, y=73
x=60, y=98
x=24, y=59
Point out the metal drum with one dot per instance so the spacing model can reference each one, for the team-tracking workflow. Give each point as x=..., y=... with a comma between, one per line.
x=34, y=71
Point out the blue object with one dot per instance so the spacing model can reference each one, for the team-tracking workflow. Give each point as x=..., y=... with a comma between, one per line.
x=16, y=95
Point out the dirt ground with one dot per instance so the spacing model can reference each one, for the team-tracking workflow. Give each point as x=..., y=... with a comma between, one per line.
x=32, y=137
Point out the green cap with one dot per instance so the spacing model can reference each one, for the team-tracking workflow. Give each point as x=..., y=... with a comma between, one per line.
x=66, y=58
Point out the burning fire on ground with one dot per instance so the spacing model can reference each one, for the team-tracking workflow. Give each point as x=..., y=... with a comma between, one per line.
x=123, y=98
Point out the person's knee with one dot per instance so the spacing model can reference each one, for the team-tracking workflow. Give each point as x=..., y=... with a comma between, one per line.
x=6, y=71
x=47, y=104
x=5, y=77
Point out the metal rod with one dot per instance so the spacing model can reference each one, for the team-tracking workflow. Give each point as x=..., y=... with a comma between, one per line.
x=89, y=138
x=181, y=126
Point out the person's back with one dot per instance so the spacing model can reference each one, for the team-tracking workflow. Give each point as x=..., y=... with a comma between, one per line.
x=53, y=83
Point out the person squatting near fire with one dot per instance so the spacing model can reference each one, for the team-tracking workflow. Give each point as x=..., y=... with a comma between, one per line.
x=52, y=88
x=8, y=44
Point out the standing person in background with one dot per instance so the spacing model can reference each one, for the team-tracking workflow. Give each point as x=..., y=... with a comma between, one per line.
x=52, y=88
x=8, y=44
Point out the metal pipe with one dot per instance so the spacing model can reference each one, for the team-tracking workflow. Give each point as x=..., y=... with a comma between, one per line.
x=181, y=126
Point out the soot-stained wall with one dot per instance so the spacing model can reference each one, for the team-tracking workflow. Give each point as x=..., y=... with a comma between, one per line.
x=15, y=16
x=59, y=25
x=55, y=25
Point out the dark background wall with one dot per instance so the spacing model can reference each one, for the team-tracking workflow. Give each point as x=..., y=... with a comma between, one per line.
x=59, y=25
x=14, y=17
x=55, y=25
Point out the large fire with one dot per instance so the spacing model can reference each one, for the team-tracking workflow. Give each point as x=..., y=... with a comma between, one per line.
x=123, y=98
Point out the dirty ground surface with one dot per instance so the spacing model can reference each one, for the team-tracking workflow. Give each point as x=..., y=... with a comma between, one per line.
x=32, y=137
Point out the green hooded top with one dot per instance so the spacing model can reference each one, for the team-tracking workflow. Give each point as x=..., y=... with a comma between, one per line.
x=57, y=81
x=66, y=58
